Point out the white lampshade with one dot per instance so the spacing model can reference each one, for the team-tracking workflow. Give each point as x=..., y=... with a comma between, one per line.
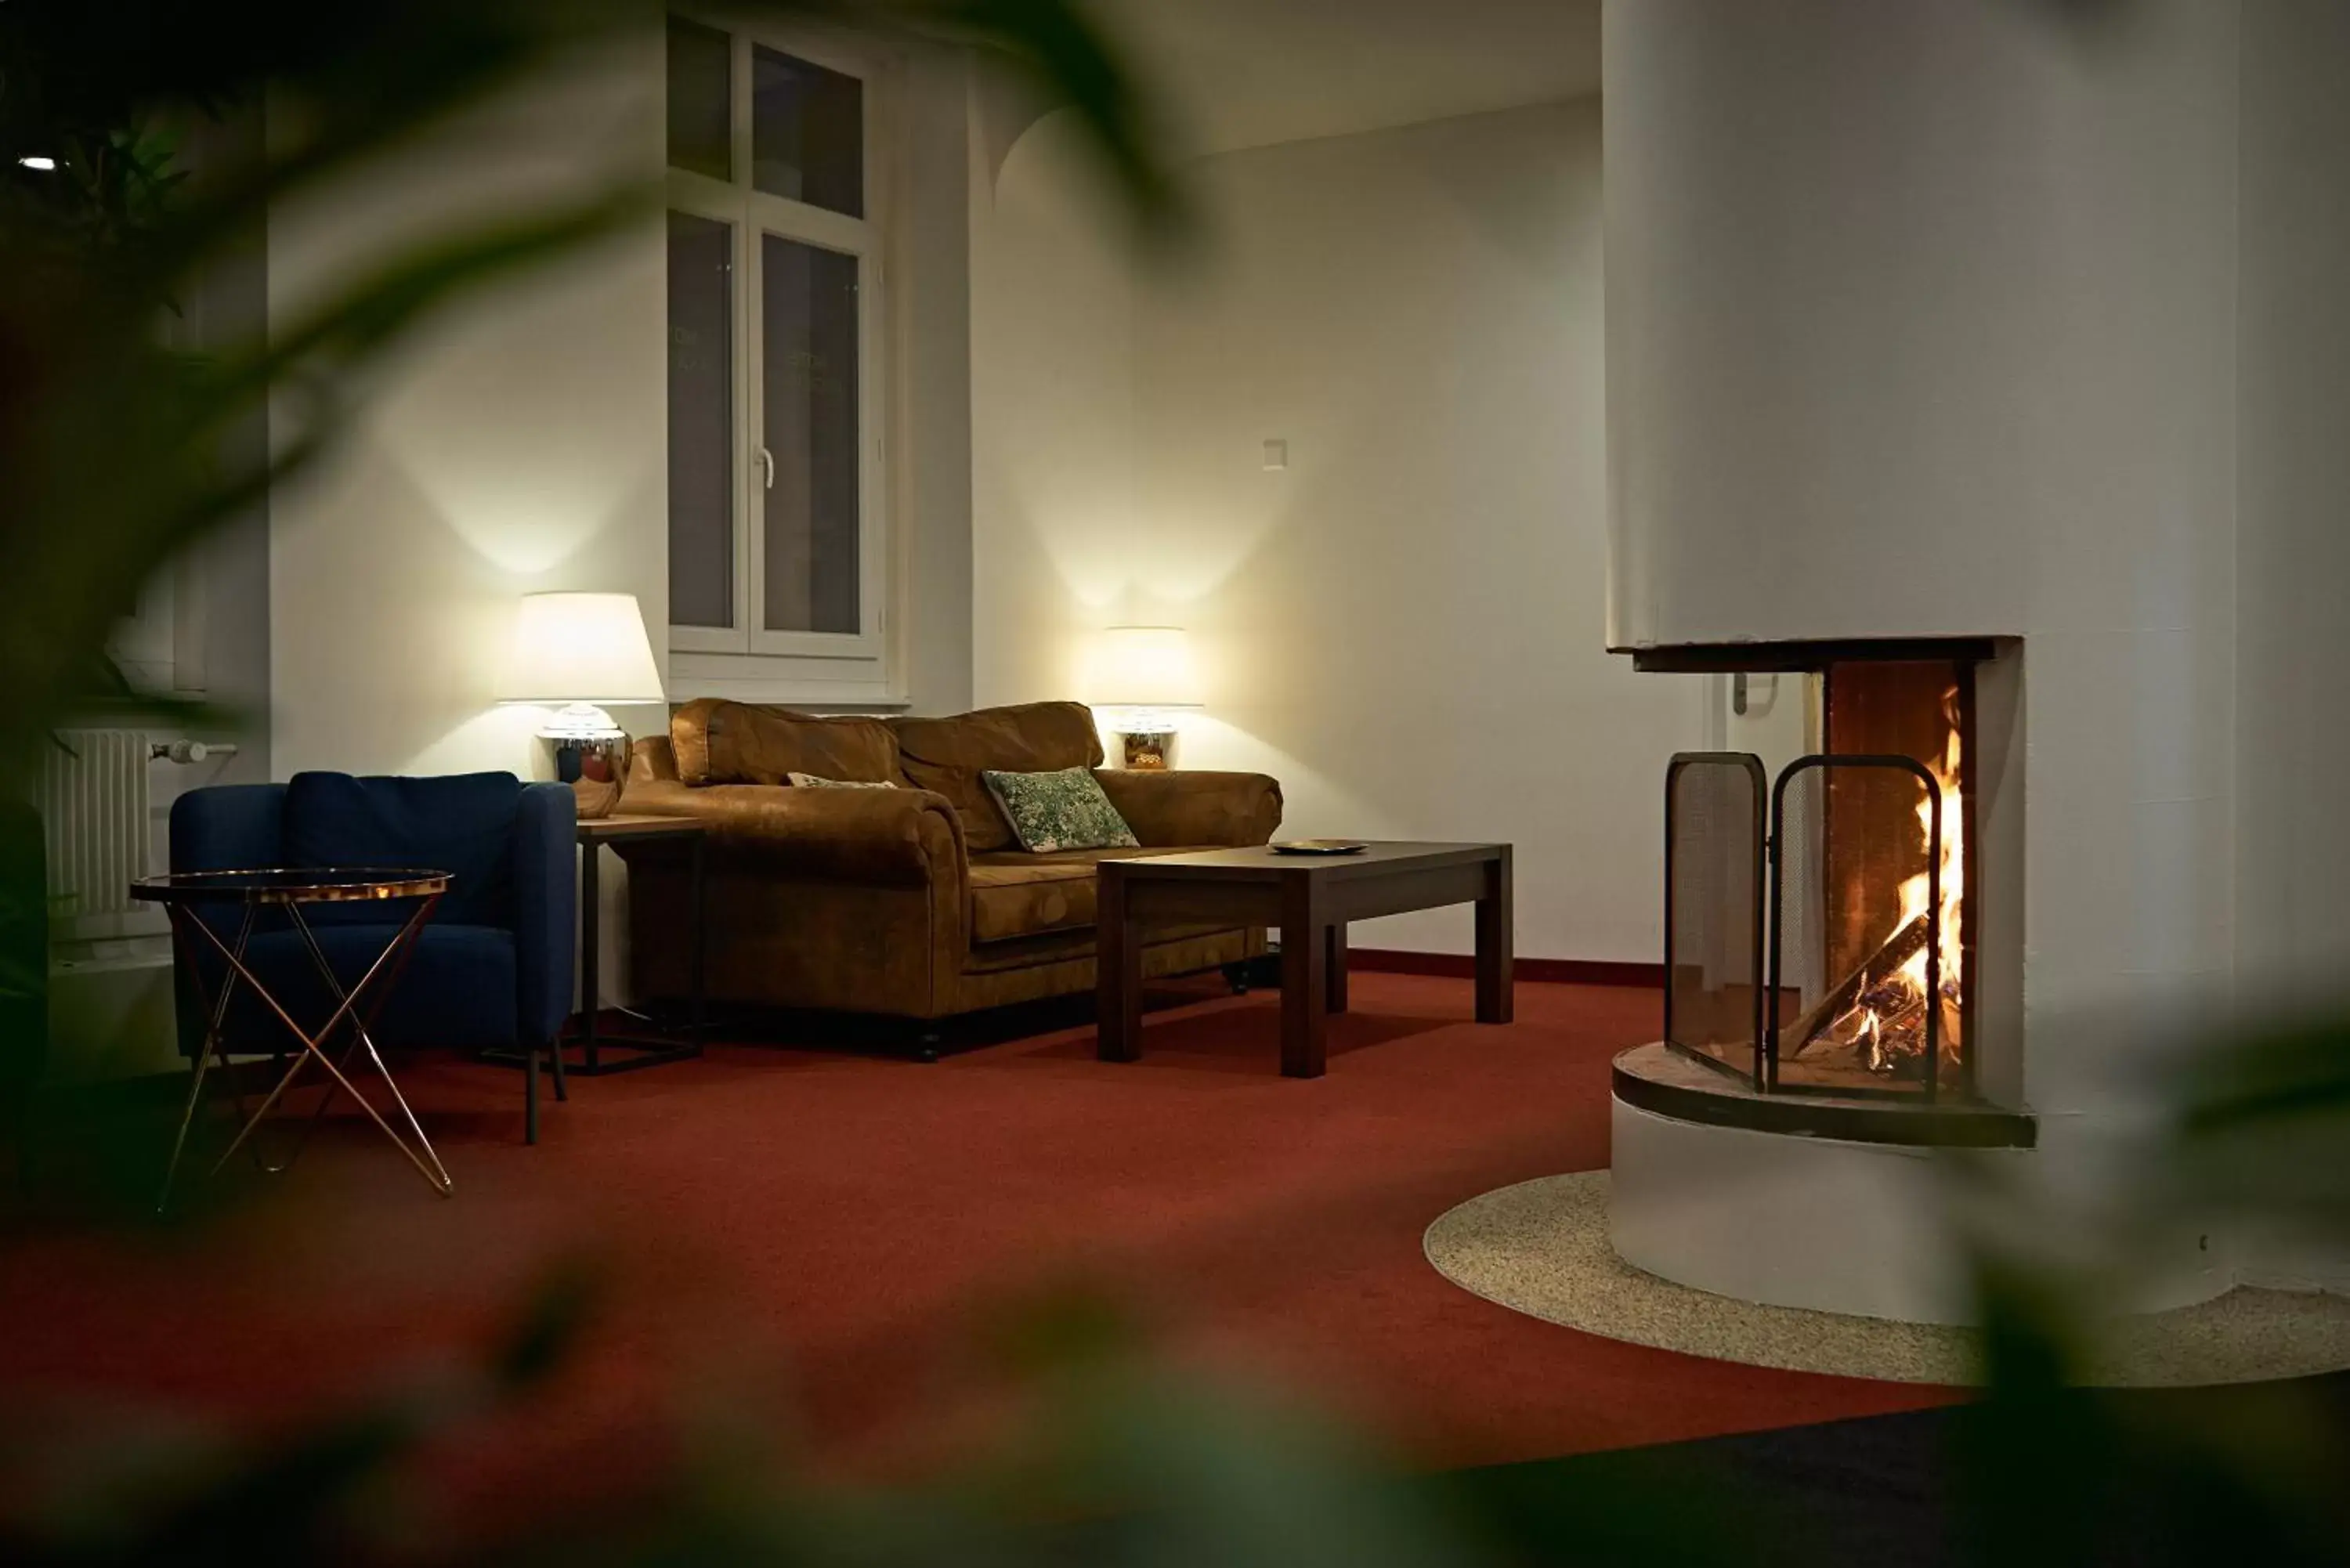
x=582, y=648
x=1144, y=673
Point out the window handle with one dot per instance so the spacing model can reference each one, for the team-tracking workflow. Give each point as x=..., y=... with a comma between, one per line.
x=767, y=466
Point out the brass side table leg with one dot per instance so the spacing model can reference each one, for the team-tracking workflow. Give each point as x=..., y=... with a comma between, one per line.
x=180, y=915
x=361, y=1039
x=438, y=1178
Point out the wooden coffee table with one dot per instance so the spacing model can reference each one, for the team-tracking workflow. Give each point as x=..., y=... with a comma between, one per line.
x=1310, y=898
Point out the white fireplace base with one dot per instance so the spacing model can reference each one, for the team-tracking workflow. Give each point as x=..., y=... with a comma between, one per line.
x=1739, y=1213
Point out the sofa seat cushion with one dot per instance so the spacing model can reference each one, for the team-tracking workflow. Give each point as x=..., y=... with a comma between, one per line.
x=948, y=755
x=1015, y=894
x=459, y=988
x=718, y=742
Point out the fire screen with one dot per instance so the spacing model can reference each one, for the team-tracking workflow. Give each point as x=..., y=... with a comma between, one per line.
x=1817, y=936
x=1713, y=910
x=1864, y=989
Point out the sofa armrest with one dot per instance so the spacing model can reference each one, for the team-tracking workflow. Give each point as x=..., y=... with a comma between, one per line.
x=545, y=909
x=890, y=838
x=1172, y=808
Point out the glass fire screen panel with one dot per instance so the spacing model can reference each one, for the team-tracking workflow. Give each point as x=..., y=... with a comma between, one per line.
x=810, y=368
x=1713, y=876
x=1858, y=943
x=701, y=421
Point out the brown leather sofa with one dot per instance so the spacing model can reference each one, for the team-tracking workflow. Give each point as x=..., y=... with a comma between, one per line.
x=915, y=901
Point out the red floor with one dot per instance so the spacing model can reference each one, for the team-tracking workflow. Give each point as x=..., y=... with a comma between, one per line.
x=838, y=1230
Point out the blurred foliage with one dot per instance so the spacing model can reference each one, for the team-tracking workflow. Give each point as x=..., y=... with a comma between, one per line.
x=1120, y=1458
x=114, y=447
x=120, y=447
x=1116, y=1459
x=117, y=450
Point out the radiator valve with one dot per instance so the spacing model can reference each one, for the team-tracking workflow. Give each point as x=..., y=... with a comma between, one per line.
x=188, y=751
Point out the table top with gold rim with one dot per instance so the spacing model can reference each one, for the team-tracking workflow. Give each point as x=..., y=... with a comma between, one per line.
x=292, y=885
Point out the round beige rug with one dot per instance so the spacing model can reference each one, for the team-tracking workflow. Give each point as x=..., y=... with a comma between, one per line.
x=1541, y=1248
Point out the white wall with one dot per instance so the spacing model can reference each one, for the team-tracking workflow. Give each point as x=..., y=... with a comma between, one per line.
x=1406, y=626
x=1054, y=296
x=517, y=445
x=520, y=442
x=931, y=291
x=2292, y=547
x=2293, y=556
x=1923, y=322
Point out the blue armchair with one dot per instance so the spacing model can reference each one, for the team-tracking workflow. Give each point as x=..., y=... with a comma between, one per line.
x=492, y=969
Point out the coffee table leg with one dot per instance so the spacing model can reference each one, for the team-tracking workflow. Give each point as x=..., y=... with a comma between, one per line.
x=1305, y=979
x=1118, y=962
x=1496, y=994
x=1336, y=960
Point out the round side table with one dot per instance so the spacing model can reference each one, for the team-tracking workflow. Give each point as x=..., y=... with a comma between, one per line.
x=187, y=895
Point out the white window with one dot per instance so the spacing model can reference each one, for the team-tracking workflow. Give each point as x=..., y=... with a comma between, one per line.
x=778, y=551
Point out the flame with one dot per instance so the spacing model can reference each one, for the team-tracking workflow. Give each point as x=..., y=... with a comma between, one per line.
x=1866, y=1026
x=1915, y=891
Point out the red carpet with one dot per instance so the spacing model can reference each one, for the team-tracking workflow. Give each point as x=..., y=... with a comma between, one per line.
x=846, y=1227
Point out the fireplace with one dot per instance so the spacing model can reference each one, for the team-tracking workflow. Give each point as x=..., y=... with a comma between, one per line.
x=1844, y=946
x=1819, y=925
x=1847, y=434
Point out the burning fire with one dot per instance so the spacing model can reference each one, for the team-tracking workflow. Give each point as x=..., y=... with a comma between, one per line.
x=1885, y=1023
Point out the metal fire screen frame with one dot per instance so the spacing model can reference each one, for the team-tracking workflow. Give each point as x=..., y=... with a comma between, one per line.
x=1752, y=766
x=1930, y=1079
x=1769, y=871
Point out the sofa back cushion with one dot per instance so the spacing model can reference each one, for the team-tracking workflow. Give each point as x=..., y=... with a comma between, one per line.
x=717, y=741
x=948, y=755
x=463, y=824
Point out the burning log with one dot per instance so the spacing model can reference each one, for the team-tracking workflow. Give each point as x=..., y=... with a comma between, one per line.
x=1875, y=985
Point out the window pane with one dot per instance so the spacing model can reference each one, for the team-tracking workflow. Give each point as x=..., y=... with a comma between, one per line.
x=701, y=421
x=808, y=133
x=701, y=100
x=809, y=356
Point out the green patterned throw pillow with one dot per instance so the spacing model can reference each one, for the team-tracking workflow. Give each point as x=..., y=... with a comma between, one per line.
x=1062, y=810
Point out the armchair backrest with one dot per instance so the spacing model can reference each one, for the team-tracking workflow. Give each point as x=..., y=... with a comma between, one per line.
x=229, y=827
x=460, y=823
x=464, y=823
x=509, y=845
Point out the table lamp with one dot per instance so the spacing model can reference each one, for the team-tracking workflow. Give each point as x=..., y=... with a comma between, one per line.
x=1143, y=684
x=575, y=653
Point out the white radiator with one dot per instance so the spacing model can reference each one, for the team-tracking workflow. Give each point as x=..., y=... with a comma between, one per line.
x=95, y=811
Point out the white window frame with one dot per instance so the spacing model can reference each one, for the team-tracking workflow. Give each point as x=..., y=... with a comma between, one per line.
x=746, y=659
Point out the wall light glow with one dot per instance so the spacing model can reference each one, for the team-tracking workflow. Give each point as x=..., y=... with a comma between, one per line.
x=37, y=162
